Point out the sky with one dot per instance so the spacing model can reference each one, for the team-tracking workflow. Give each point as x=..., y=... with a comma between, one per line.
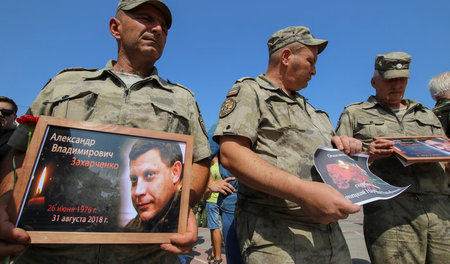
x=213, y=43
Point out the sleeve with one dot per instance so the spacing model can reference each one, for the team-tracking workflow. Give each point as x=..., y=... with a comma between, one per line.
x=201, y=144
x=239, y=114
x=344, y=126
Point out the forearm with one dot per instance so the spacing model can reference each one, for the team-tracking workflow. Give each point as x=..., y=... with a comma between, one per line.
x=255, y=172
x=199, y=180
x=323, y=203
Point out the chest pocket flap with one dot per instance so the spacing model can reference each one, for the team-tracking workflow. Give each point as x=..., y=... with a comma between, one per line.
x=174, y=118
x=364, y=121
x=77, y=106
x=427, y=119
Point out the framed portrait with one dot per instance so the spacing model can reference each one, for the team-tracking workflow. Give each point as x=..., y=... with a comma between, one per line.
x=91, y=183
x=421, y=149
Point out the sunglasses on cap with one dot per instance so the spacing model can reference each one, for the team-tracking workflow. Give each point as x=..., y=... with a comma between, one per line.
x=6, y=112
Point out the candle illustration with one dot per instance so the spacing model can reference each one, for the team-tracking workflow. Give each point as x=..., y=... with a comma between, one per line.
x=37, y=199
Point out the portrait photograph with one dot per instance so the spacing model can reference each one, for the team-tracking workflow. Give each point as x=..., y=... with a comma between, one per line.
x=109, y=182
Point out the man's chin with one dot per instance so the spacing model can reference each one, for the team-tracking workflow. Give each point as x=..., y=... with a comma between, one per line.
x=146, y=216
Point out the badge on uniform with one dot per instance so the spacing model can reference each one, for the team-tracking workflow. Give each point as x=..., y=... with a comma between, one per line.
x=227, y=107
x=233, y=91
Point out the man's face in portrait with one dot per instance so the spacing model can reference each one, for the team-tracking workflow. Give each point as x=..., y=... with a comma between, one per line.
x=153, y=183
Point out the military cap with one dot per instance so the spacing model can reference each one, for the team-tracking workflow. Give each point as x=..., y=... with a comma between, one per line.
x=126, y=5
x=290, y=35
x=393, y=64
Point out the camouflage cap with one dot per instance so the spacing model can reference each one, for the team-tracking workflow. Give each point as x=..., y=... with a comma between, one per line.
x=130, y=4
x=393, y=64
x=290, y=35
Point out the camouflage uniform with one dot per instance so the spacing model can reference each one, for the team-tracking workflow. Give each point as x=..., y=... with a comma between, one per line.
x=100, y=96
x=285, y=132
x=442, y=111
x=413, y=227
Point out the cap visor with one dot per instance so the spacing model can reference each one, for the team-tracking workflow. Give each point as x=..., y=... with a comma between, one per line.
x=391, y=74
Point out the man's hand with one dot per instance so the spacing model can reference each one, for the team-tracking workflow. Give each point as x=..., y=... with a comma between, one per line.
x=380, y=148
x=325, y=204
x=348, y=145
x=12, y=239
x=222, y=186
x=182, y=243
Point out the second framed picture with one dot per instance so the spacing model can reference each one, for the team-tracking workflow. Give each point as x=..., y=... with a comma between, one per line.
x=421, y=149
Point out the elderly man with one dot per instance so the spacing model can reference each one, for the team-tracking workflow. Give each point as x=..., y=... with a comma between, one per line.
x=127, y=92
x=268, y=134
x=439, y=87
x=8, y=110
x=413, y=227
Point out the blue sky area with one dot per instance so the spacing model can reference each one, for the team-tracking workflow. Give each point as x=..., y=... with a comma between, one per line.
x=213, y=43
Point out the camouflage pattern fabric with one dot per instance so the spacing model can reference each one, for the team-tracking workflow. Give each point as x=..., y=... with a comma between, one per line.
x=402, y=230
x=100, y=96
x=442, y=111
x=411, y=228
x=369, y=119
x=285, y=132
x=269, y=240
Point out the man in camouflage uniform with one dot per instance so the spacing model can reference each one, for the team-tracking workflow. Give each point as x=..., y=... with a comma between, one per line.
x=440, y=91
x=268, y=134
x=127, y=92
x=413, y=227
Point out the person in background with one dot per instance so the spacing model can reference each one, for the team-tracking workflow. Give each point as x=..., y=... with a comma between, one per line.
x=413, y=227
x=8, y=115
x=268, y=134
x=213, y=216
x=127, y=92
x=439, y=87
x=227, y=188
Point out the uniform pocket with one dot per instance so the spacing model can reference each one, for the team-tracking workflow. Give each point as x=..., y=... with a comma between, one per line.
x=368, y=128
x=173, y=119
x=424, y=124
x=78, y=106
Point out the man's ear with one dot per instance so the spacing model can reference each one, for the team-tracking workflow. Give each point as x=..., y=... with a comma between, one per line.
x=114, y=25
x=372, y=81
x=176, y=172
x=284, y=56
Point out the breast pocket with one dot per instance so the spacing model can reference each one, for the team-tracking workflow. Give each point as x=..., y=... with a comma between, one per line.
x=423, y=125
x=368, y=128
x=171, y=119
x=78, y=106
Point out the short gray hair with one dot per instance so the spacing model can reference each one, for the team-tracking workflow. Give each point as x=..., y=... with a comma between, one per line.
x=440, y=85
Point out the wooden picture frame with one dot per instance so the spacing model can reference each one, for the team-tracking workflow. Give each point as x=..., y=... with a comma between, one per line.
x=421, y=148
x=72, y=187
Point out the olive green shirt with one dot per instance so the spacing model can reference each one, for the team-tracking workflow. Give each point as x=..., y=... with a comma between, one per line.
x=100, y=96
x=370, y=119
x=283, y=131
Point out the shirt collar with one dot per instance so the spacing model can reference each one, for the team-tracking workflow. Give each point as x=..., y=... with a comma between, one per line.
x=372, y=102
x=268, y=85
x=108, y=71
